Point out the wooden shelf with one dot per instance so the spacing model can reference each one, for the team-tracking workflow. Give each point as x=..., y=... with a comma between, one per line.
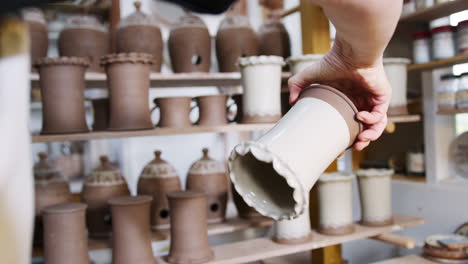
x=418, y=179
x=436, y=11
x=452, y=112
x=404, y=119
x=439, y=63
x=411, y=259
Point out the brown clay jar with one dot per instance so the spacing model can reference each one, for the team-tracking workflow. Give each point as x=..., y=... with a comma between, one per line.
x=243, y=210
x=103, y=184
x=131, y=233
x=235, y=38
x=190, y=45
x=139, y=32
x=274, y=39
x=84, y=36
x=189, y=228
x=157, y=179
x=100, y=114
x=173, y=111
x=65, y=239
x=38, y=36
x=62, y=86
x=209, y=176
x=213, y=110
x=128, y=82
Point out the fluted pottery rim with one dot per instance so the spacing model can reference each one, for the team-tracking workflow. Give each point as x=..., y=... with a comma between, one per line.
x=64, y=60
x=260, y=60
x=33, y=14
x=336, y=177
x=369, y=173
x=130, y=57
x=304, y=57
x=262, y=153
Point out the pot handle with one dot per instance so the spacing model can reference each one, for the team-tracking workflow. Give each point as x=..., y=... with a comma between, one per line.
x=229, y=104
x=154, y=109
x=194, y=105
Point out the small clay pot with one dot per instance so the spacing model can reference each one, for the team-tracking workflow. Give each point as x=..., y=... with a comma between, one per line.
x=62, y=86
x=274, y=39
x=101, y=114
x=243, y=210
x=128, y=82
x=104, y=183
x=299, y=63
x=213, y=110
x=209, y=176
x=37, y=27
x=293, y=231
x=157, y=179
x=131, y=233
x=173, y=111
x=65, y=239
x=190, y=45
x=139, y=32
x=235, y=39
x=189, y=228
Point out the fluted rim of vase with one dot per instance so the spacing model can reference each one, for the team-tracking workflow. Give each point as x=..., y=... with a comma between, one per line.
x=260, y=60
x=374, y=173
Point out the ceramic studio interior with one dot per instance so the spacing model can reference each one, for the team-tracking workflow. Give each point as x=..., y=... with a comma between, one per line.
x=226, y=132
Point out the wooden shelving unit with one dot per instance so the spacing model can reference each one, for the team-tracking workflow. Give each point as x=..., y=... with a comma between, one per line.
x=436, y=11
x=452, y=112
x=439, y=63
x=411, y=259
x=417, y=179
x=404, y=119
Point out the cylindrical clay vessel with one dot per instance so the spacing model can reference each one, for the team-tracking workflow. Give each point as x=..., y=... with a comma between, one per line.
x=213, y=110
x=173, y=111
x=396, y=71
x=375, y=190
x=37, y=27
x=293, y=231
x=274, y=39
x=299, y=63
x=335, y=192
x=274, y=173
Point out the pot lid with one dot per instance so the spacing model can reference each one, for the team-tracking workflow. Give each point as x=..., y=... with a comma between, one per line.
x=138, y=18
x=84, y=22
x=158, y=168
x=188, y=20
x=33, y=14
x=272, y=25
x=45, y=173
x=449, y=241
x=105, y=174
x=234, y=21
x=206, y=165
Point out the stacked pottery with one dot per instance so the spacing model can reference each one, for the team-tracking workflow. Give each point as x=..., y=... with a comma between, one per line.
x=293, y=231
x=213, y=110
x=209, y=176
x=104, y=183
x=235, y=39
x=190, y=45
x=173, y=111
x=37, y=28
x=274, y=39
x=299, y=63
x=157, y=179
x=396, y=71
x=84, y=36
x=139, y=32
x=100, y=114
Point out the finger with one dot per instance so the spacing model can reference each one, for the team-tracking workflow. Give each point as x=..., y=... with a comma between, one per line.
x=377, y=114
x=373, y=132
x=360, y=145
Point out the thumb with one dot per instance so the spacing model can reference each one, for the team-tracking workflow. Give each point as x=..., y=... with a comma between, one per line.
x=303, y=79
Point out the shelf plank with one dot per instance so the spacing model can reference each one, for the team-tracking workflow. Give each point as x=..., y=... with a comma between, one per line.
x=411, y=259
x=418, y=179
x=436, y=11
x=452, y=112
x=439, y=63
x=404, y=119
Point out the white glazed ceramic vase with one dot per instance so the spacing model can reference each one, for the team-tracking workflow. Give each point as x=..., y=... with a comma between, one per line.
x=335, y=192
x=261, y=80
x=293, y=231
x=299, y=63
x=275, y=173
x=396, y=71
x=375, y=190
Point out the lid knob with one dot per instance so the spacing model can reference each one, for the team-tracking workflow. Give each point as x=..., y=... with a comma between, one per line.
x=104, y=159
x=157, y=154
x=205, y=152
x=137, y=5
x=42, y=156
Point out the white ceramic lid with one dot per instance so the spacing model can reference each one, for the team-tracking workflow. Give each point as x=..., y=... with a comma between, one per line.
x=336, y=177
x=374, y=172
x=104, y=175
x=234, y=21
x=158, y=168
x=438, y=240
x=206, y=165
x=84, y=22
x=33, y=14
x=396, y=61
x=258, y=60
x=138, y=18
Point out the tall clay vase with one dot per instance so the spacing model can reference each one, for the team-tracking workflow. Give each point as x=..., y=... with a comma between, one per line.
x=37, y=27
x=157, y=179
x=335, y=192
x=243, y=210
x=173, y=111
x=299, y=63
x=100, y=114
x=293, y=231
x=213, y=110
x=375, y=190
x=274, y=39
x=65, y=239
x=396, y=71
x=128, y=82
x=275, y=173
x=261, y=80
x=62, y=88
x=131, y=233
x=189, y=228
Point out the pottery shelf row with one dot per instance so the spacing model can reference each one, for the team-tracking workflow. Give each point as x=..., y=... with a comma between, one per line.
x=406, y=178
x=462, y=58
x=452, y=112
x=411, y=259
x=436, y=11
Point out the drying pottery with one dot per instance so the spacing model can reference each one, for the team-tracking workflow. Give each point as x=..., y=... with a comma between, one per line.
x=243, y=210
x=140, y=32
x=131, y=233
x=84, y=36
x=104, y=183
x=261, y=80
x=235, y=39
x=65, y=239
x=335, y=192
x=173, y=111
x=299, y=63
x=213, y=110
x=395, y=69
x=275, y=173
x=100, y=113
x=274, y=39
x=295, y=231
x=128, y=82
x=209, y=176
x=157, y=179
x=37, y=27
x=62, y=86
x=189, y=228
x=375, y=190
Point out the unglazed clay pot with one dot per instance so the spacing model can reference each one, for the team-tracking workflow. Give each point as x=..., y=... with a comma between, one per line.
x=157, y=179
x=396, y=71
x=190, y=45
x=213, y=110
x=37, y=27
x=243, y=210
x=139, y=32
x=131, y=233
x=62, y=86
x=274, y=39
x=173, y=111
x=299, y=63
x=104, y=183
x=189, y=228
x=101, y=114
x=295, y=231
x=84, y=36
x=235, y=39
x=261, y=80
x=335, y=192
x=209, y=176
x=275, y=173
x=375, y=191
x=65, y=239
x=128, y=82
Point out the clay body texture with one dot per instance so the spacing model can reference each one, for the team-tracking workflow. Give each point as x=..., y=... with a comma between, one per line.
x=173, y=111
x=395, y=68
x=38, y=36
x=213, y=110
x=274, y=39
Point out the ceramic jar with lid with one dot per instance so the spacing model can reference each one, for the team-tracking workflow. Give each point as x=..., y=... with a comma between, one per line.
x=462, y=92
x=84, y=36
x=274, y=39
x=103, y=184
x=157, y=179
x=443, y=42
x=139, y=32
x=422, y=47
x=446, y=92
x=395, y=69
x=462, y=36
x=37, y=27
x=209, y=176
x=190, y=45
x=235, y=39
x=299, y=63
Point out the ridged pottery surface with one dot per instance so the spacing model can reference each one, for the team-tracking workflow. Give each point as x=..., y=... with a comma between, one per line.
x=38, y=35
x=173, y=111
x=274, y=39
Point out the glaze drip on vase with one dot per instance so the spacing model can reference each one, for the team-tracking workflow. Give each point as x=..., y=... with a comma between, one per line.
x=37, y=28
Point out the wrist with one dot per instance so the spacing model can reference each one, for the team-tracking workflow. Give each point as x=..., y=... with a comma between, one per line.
x=355, y=57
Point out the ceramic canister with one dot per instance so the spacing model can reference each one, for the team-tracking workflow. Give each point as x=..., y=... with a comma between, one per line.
x=375, y=190
x=103, y=184
x=396, y=71
x=213, y=110
x=335, y=192
x=128, y=82
x=157, y=179
x=190, y=45
x=173, y=111
x=62, y=86
x=140, y=32
x=209, y=176
x=293, y=231
x=38, y=36
x=299, y=63
x=261, y=80
x=100, y=114
x=274, y=173
x=235, y=39
x=274, y=39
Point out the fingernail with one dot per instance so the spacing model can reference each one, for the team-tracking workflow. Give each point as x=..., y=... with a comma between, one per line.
x=360, y=118
x=365, y=140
